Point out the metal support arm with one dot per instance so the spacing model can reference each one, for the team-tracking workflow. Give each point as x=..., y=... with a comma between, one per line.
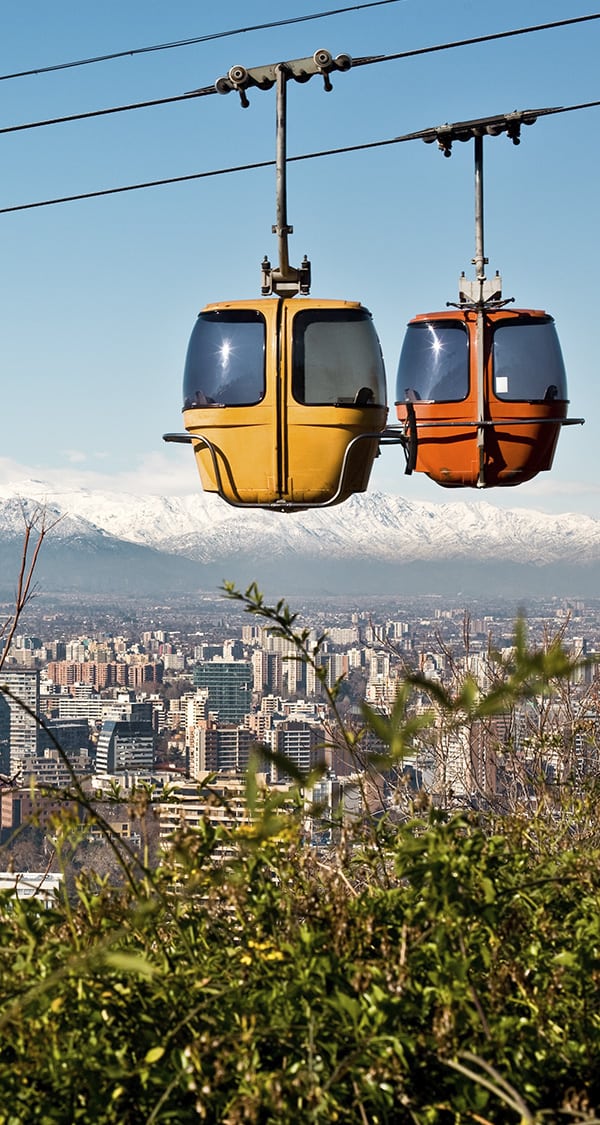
x=285, y=280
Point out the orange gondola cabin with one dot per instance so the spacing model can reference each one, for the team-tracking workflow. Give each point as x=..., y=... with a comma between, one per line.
x=481, y=389
x=483, y=393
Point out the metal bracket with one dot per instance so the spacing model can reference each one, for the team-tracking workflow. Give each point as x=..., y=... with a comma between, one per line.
x=264, y=77
x=406, y=437
x=285, y=285
x=482, y=290
x=509, y=123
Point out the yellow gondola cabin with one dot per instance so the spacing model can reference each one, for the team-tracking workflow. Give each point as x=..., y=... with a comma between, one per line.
x=284, y=400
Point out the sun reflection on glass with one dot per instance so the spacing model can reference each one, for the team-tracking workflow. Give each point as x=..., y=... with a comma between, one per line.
x=436, y=343
x=225, y=354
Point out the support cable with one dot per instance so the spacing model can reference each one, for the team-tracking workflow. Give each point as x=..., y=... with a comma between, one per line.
x=113, y=109
x=369, y=59
x=364, y=61
x=427, y=135
x=197, y=39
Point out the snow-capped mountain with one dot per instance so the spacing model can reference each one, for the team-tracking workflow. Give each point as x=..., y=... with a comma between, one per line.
x=358, y=540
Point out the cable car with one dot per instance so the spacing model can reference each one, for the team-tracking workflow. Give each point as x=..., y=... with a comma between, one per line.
x=284, y=396
x=284, y=400
x=485, y=393
x=481, y=390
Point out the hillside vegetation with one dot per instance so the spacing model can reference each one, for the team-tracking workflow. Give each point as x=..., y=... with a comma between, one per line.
x=437, y=967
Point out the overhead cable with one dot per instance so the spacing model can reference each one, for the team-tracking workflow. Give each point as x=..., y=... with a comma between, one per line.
x=368, y=59
x=197, y=39
x=113, y=109
x=365, y=61
x=422, y=134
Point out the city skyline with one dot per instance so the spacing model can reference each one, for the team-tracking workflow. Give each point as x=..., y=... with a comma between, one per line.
x=208, y=698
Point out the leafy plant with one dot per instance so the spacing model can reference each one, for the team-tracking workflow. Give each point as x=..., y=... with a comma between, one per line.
x=443, y=968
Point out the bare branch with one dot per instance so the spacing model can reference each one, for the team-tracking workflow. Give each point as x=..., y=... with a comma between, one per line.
x=34, y=523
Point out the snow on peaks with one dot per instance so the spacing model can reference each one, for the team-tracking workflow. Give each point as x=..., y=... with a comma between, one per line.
x=376, y=525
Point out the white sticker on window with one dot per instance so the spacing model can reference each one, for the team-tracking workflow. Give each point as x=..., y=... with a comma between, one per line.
x=501, y=384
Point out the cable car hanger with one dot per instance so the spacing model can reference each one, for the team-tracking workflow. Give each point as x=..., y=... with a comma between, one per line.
x=285, y=400
x=476, y=369
x=286, y=281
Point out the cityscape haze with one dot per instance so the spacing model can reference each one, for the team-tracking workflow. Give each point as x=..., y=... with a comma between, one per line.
x=169, y=694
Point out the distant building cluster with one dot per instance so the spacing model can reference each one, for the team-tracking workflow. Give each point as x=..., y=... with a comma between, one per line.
x=176, y=705
x=106, y=675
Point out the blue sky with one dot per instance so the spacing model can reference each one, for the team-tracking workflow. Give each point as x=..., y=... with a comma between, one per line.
x=98, y=297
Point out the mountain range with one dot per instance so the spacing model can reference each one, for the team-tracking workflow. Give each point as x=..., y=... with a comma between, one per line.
x=102, y=542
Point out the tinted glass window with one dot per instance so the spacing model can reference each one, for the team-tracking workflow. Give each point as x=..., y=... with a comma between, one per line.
x=434, y=363
x=528, y=363
x=337, y=358
x=225, y=362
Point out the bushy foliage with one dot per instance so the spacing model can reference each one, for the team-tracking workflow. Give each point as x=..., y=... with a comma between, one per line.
x=281, y=986
x=440, y=970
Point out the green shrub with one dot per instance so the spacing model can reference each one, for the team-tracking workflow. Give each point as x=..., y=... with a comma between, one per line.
x=444, y=969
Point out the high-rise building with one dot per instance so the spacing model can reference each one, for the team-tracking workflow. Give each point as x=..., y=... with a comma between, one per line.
x=84, y=703
x=300, y=743
x=127, y=745
x=229, y=686
x=19, y=723
x=267, y=670
x=218, y=748
x=51, y=769
x=222, y=802
x=196, y=708
x=337, y=665
x=72, y=735
x=4, y=735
